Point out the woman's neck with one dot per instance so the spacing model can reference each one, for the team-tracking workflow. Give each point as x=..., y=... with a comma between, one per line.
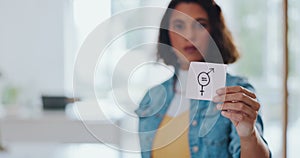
x=184, y=66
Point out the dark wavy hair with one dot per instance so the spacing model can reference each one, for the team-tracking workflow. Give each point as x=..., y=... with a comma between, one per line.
x=219, y=33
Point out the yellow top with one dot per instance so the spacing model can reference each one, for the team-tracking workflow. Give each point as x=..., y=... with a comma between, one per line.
x=171, y=139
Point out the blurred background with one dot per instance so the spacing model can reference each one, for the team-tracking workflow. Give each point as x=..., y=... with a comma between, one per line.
x=39, y=41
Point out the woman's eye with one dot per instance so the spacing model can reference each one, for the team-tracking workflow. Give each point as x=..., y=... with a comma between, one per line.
x=201, y=26
x=178, y=26
x=204, y=25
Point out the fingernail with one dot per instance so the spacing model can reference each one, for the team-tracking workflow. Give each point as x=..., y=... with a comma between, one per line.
x=220, y=91
x=216, y=99
x=219, y=106
x=223, y=112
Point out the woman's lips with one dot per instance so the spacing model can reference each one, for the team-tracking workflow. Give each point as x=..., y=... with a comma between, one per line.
x=190, y=49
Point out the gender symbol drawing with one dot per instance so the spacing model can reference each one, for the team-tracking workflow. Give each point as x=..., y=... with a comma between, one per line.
x=204, y=79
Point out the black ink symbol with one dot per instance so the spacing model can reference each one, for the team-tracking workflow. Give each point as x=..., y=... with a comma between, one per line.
x=204, y=79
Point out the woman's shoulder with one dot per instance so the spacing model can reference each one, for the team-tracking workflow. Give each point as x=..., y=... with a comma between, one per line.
x=154, y=98
x=164, y=85
x=236, y=80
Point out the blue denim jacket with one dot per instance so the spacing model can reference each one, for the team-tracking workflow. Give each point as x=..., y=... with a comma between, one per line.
x=210, y=135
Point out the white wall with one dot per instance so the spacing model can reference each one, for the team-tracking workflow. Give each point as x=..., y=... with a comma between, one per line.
x=32, y=43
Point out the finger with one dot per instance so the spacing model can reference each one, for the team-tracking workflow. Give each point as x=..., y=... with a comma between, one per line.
x=238, y=97
x=235, y=116
x=238, y=107
x=236, y=89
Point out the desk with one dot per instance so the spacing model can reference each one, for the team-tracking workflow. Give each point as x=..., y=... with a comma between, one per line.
x=56, y=126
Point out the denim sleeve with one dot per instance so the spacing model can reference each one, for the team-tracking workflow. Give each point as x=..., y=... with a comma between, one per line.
x=143, y=104
x=234, y=146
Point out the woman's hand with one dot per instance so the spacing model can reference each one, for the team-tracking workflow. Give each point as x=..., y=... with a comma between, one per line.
x=240, y=106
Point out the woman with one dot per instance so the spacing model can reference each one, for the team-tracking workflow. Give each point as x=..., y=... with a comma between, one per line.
x=169, y=126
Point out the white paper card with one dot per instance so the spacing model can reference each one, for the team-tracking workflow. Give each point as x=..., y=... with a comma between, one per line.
x=204, y=79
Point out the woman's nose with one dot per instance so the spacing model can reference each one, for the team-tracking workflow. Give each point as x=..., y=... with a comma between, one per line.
x=190, y=34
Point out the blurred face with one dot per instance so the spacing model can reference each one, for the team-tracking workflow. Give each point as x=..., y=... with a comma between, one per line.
x=189, y=35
